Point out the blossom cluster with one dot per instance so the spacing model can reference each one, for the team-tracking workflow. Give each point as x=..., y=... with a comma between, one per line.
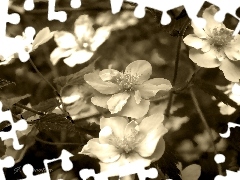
x=128, y=141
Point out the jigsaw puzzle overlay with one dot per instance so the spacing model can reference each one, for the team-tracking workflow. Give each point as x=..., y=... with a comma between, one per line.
x=192, y=8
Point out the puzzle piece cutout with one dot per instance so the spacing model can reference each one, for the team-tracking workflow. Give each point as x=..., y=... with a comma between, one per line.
x=52, y=14
x=66, y=164
x=142, y=174
x=230, y=175
x=13, y=18
x=219, y=158
x=192, y=9
x=20, y=125
x=230, y=125
x=7, y=162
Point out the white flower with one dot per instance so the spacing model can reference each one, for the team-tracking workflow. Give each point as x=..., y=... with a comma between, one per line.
x=79, y=47
x=215, y=46
x=125, y=147
x=128, y=93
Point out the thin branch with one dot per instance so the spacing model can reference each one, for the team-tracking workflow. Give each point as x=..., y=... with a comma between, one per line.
x=29, y=109
x=53, y=88
x=56, y=143
x=204, y=121
x=167, y=111
x=40, y=74
x=188, y=83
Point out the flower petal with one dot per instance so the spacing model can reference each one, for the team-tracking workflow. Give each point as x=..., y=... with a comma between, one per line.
x=152, y=129
x=194, y=41
x=117, y=101
x=108, y=74
x=59, y=53
x=208, y=15
x=100, y=37
x=199, y=31
x=137, y=96
x=232, y=50
x=78, y=57
x=231, y=70
x=207, y=60
x=117, y=124
x=65, y=40
x=83, y=28
x=42, y=37
x=150, y=88
x=105, y=134
x=159, y=151
x=97, y=83
x=104, y=152
x=133, y=125
x=125, y=165
x=134, y=110
x=191, y=172
x=140, y=68
x=100, y=100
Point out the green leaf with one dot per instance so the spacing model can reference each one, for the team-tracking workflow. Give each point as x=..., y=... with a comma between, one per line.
x=44, y=106
x=8, y=103
x=212, y=90
x=74, y=79
x=55, y=122
x=4, y=82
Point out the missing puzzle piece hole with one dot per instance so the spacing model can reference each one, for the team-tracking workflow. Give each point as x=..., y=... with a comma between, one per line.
x=5, y=126
x=219, y=158
x=165, y=19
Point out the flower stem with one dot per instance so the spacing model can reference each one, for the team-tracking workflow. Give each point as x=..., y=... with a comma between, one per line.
x=55, y=143
x=167, y=111
x=196, y=104
x=53, y=88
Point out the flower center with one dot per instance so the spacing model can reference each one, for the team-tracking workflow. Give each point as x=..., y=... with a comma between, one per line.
x=221, y=37
x=128, y=143
x=126, y=81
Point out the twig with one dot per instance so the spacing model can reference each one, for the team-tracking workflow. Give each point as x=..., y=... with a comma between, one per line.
x=188, y=83
x=53, y=88
x=167, y=111
x=55, y=143
x=29, y=109
x=196, y=104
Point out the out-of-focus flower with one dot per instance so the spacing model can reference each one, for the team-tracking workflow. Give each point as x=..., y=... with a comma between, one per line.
x=21, y=46
x=233, y=91
x=191, y=172
x=190, y=152
x=126, y=93
x=79, y=47
x=76, y=105
x=124, y=147
x=117, y=22
x=215, y=46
